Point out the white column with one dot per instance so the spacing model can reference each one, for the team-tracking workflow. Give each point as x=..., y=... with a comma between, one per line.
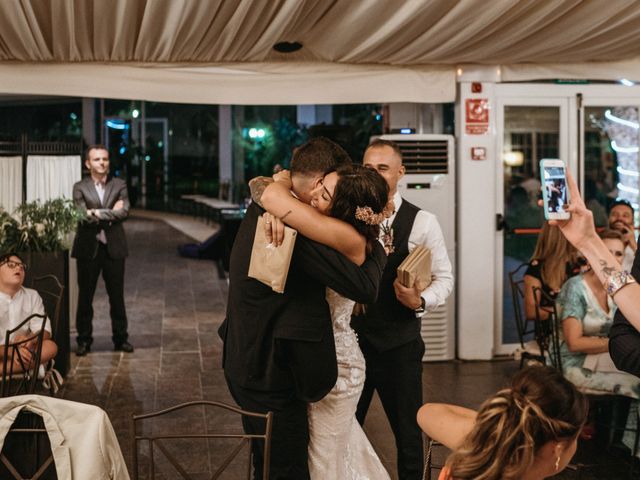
x=225, y=157
x=476, y=230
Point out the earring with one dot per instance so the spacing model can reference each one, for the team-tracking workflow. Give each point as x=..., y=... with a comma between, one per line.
x=557, y=463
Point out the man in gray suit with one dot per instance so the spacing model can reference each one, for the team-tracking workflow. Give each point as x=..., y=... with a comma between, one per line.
x=100, y=246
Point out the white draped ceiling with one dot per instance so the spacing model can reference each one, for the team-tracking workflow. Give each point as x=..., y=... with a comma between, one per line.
x=220, y=51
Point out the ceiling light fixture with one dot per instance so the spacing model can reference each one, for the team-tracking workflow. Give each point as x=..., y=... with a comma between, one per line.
x=287, y=47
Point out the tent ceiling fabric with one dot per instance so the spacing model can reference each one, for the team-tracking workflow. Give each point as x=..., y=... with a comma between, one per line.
x=387, y=39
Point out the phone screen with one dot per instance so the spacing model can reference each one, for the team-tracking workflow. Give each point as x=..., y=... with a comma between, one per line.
x=555, y=186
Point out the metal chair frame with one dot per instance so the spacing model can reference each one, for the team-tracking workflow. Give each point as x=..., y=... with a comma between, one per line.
x=524, y=327
x=51, y=291
x=37, y=433
x=28, y=376
x=428, y=458
x=244, y=440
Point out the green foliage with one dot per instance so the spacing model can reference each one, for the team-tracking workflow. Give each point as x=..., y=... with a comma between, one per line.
x=261, y=155
x=39, y=227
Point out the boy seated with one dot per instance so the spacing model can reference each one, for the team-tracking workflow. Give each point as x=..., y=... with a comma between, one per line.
x=16, y=304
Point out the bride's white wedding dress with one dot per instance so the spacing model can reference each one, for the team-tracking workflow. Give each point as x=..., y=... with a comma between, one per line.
x=338, y=447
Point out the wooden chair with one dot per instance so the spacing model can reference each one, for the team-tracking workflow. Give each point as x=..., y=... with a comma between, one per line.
x=26, y=453
x=19, y=376
x=157, y=442
x=529, y=348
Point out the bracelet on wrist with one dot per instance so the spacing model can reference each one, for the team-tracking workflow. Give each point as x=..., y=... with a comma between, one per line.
x=617, y=281
x=421, y=308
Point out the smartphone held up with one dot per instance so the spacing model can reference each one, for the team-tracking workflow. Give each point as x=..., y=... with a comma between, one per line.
x=555, y=190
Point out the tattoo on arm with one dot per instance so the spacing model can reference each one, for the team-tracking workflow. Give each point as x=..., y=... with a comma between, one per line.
x=257, y=186
x=606, y=269
x=285, y=215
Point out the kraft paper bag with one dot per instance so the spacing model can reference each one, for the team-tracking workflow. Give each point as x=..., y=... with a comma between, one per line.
x=270, y=264
x=417, y=266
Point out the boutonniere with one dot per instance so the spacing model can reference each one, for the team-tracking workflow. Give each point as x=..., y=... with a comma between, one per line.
x=387, y=238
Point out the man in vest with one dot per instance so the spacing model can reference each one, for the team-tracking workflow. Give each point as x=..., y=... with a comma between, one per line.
x=389, y=331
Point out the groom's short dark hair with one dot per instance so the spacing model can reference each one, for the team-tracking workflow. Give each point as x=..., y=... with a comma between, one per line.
x=318, y=156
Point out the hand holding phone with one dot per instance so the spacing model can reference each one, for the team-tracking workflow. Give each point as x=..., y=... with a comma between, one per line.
x=555, y=191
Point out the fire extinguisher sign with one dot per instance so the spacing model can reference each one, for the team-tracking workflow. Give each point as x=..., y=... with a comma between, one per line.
x=477, y=116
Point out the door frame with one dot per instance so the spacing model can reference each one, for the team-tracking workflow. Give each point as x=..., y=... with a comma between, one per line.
x=522, y=96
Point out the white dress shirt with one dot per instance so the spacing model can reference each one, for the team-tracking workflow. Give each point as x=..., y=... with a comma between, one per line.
x=14, y=310
x=426, y=231
x=627, y=260
x=101, y=236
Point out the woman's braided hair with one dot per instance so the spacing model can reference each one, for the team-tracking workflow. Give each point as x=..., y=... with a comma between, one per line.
x=540, y=406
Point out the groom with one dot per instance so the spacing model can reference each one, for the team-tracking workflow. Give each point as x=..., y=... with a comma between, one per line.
x=279, y=353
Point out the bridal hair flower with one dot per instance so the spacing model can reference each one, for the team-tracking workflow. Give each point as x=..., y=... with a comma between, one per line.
x=366, y=215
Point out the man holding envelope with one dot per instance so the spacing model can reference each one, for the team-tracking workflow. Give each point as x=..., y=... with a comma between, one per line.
x=279, y=351
x=417, y=279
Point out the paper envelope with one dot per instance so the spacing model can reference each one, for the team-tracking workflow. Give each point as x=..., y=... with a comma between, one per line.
x=270, y=264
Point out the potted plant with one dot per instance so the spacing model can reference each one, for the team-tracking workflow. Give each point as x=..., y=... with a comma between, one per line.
x=39, y=227
x=41, y=234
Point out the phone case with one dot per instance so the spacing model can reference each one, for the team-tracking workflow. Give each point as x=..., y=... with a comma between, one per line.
x=545, y=197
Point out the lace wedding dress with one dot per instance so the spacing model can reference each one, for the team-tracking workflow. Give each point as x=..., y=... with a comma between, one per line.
x=338, y=447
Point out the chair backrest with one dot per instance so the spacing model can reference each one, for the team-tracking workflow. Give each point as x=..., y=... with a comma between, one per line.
x=51, y=291
x=431, y=463
x=516, y=280
x=157, y=440
x=26, y=452
x=20, y=374
x=547, y=329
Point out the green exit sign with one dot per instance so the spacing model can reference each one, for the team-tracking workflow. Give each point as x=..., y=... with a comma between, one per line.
x=571, y=81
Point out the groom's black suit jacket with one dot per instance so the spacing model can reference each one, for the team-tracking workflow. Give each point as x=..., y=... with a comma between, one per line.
x=277, y=342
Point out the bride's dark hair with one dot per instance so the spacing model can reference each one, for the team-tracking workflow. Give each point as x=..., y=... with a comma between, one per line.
x=358, y=186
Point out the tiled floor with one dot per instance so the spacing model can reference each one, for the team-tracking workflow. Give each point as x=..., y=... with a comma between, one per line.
x=175, y=306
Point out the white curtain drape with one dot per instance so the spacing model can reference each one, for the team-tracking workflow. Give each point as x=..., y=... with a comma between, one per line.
x=50, y=176
x=252, y=84
x=356, y=32
x=10, y=183
x=214, y=51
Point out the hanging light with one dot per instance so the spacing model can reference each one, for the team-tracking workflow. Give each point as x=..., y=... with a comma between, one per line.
x=513, y=159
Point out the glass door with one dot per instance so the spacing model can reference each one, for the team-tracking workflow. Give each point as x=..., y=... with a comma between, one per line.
x=529, y=129
x=610, y=138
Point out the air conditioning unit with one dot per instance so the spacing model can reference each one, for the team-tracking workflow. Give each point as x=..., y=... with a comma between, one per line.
x=429, y=183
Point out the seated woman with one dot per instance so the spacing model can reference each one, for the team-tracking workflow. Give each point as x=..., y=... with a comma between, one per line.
x=16, y=304
x=345, y=212
x=528, y=431
x=622, y=286
x=554, y=260
x=587, y=315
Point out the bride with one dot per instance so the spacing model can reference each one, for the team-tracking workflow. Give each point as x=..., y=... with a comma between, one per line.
x=345, y=212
